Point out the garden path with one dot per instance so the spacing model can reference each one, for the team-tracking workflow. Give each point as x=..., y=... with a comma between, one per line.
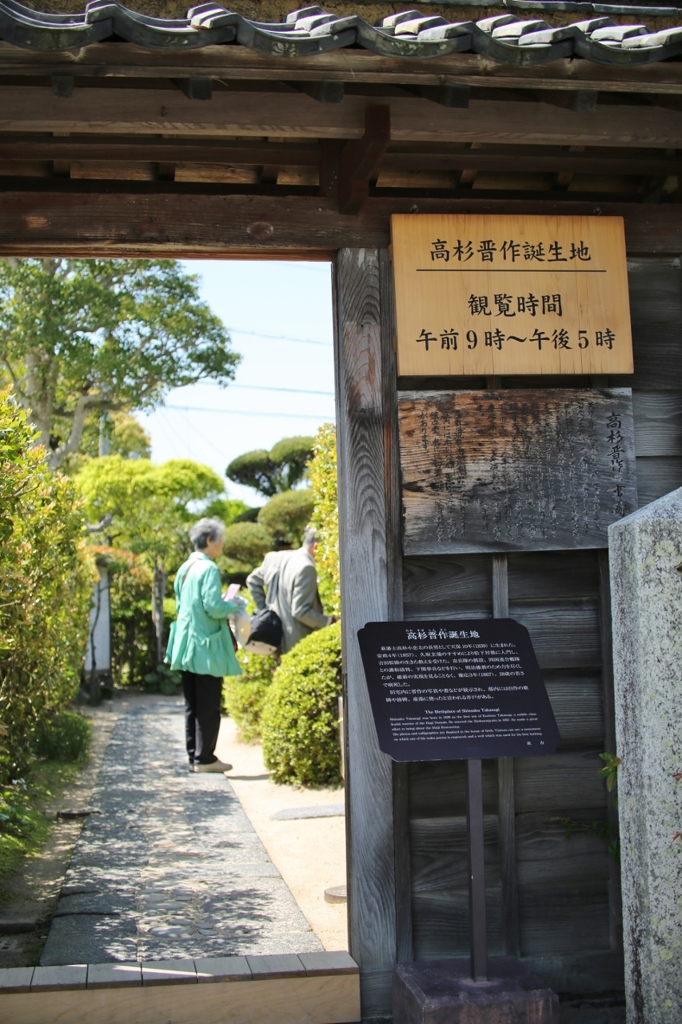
x=167, y=864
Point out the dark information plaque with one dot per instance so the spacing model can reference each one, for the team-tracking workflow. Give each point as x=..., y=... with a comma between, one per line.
x=444, y=691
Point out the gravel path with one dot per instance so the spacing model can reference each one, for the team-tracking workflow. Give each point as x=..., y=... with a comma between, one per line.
x=168, y=865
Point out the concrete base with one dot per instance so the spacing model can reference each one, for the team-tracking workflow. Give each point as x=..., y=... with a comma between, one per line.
x=441, y=992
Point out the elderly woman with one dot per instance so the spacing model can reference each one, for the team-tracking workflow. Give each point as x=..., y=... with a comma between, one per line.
x=200, y=645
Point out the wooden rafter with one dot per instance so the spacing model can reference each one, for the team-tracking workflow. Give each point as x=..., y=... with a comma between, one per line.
x=236, y=62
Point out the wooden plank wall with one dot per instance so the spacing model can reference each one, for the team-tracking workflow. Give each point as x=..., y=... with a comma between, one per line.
x=555, y=899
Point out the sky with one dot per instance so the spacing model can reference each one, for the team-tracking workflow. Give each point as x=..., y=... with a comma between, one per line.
x=279, y=315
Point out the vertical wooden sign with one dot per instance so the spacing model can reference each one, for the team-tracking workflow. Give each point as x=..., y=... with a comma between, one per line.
x=509, y=294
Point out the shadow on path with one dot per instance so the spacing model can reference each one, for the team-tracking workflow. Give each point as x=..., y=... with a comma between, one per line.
x=167, y=864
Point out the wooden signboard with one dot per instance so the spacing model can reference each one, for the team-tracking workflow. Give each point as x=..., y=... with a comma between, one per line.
x=514, y=470
x=509, y=294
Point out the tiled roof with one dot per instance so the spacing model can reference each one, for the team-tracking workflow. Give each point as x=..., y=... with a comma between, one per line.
x=504, y=38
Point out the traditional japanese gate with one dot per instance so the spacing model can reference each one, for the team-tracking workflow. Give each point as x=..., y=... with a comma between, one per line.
x=124, y=135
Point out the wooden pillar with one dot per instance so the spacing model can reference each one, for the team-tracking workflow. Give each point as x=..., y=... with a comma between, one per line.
x=370, y=592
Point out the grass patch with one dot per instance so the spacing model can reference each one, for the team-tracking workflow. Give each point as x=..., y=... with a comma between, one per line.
x=24, y=821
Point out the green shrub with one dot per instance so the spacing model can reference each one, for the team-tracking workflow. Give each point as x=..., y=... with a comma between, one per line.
x=300, y=719
x=64, y=737
x=243, y=696
x=325, y=516
x=287, y=515
x=46, y=580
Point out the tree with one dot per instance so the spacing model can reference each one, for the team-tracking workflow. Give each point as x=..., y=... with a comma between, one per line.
x=270, y=473
x=150, y=509
x=121, y=431
x=79, y=336
x=245, y=547
x=286, y=516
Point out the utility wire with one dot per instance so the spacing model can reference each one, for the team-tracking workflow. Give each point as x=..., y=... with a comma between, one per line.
x=280, y=337
x=289, y=390
x=248, y=412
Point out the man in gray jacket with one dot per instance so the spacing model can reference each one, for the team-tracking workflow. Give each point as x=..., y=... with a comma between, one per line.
x=287, y=583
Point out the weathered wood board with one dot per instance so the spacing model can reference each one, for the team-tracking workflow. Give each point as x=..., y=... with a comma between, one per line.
x=480, y=294
x=514, y=470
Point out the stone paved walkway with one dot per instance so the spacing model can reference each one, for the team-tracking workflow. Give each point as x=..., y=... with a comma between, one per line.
x=168, y=865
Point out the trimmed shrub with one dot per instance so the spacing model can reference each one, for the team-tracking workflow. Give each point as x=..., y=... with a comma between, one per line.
x=244, y=696
x=300, y=720
x=46, y=580
x=287, y=515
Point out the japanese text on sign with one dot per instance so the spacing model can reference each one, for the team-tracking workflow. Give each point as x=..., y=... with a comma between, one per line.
x=492, y=295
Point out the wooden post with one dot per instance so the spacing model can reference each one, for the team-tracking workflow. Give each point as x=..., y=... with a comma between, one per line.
x=366, y=555
x=478, y=932
x=506, y=823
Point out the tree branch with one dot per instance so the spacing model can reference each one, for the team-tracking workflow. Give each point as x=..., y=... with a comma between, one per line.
x=83, y=406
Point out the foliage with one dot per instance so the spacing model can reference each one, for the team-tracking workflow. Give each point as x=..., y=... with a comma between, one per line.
x=46, y=578
x=245, y=546
x=152, y=507
x=162, y=680
x=244, y=696
x=325, y=516
x=80, y=335
x=64, y=737
x=270, y=473
x=299, y=724
x=149, y=503
x=287, y=515
x=610, y=770
x=600, y=827
x=130, y=580
x=124, y=433
x=24, y=823
x=228, y=510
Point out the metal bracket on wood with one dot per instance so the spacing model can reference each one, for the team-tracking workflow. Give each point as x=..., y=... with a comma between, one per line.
x=195, y=88
x=360, y=158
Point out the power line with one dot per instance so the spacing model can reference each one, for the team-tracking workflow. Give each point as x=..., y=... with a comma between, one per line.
x=280, y=337
x=248, y=412
x=290, y=391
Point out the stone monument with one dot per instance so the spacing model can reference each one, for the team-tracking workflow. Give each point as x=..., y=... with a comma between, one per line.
x=646, y=586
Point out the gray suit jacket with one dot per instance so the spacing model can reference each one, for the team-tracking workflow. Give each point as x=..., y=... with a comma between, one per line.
x=297, y=601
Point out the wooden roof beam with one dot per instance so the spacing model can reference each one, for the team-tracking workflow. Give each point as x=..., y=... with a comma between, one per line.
x=239, y=62
x=293, y=115
x=360, y=159
x=111, y=223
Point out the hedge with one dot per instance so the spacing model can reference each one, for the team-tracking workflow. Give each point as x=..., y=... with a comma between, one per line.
x=299, y=725
x=244, y=695
x=46, y=580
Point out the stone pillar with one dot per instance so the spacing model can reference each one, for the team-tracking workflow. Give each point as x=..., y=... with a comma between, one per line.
x=646, y=585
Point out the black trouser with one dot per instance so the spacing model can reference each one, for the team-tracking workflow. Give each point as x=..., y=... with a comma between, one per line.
x=203, y=695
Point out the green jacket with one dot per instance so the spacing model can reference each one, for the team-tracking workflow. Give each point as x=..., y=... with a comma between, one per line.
x=199, y=638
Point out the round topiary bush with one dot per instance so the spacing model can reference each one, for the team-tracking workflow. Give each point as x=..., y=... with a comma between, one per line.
x=243, y=695
x=300, y=721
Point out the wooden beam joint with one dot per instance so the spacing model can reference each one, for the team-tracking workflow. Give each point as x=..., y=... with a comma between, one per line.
x=195, y=88
x=323, y=92
x=360, y=158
